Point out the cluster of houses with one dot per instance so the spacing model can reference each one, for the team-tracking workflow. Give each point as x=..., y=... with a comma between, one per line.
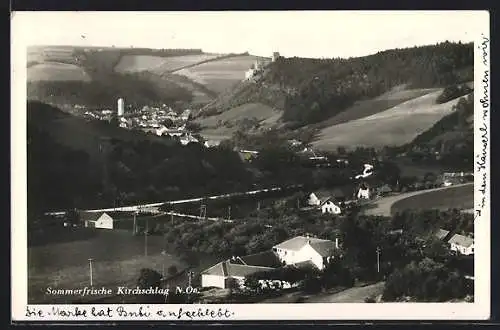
x=299, y=252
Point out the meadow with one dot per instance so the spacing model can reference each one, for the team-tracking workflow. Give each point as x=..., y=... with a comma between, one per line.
x=444, y=198
x=393, y=127
x=117, y=260
x=56, y=72
x=370, y=107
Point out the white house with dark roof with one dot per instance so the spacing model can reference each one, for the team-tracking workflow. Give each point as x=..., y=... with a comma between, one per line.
x=100, y=220
x=302, y=248
x=462, y=244
x=229, y=274
x=330, y=207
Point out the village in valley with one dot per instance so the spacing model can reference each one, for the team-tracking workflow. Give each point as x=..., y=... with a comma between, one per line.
x=248, y=189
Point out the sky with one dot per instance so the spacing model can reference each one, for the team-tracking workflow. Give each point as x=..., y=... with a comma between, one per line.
x=320, y=34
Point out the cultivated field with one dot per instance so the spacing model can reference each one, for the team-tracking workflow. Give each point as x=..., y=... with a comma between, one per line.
x=457, y=196
x=159, y=64
x=56, y=72
x=118, y=258
x=381, y=103
x=220, y=75
x=395, y=126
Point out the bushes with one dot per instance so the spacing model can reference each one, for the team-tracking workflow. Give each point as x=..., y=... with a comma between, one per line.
x=452, y=92
x=427, y=280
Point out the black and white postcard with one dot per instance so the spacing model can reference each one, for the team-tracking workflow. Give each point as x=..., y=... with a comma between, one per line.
x=246, y=165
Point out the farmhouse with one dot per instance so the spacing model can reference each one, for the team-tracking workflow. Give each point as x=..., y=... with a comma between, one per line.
x=330, y=207
x=302, y=248
x=97, y=220
x=442, y=234
x=231, y=273
x=363, y=192
x=462, y=244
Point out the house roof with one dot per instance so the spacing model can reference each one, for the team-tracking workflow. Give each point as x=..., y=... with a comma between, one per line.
x=90, y=216
x=461, y=240
x=441, y=233
x=322, y=246
x=228, y=269
x=262, y=259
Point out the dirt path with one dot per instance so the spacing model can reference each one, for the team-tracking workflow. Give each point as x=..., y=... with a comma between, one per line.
x=383, y=205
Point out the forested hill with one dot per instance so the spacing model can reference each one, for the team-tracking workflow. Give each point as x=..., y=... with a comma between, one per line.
x=311, y=90
x=62, y=172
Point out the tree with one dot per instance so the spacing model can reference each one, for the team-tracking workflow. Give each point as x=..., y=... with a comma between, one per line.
x=149, y=278
x=172, y=270
x=252, y=283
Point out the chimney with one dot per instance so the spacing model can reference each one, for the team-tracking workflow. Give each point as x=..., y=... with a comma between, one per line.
x=336, y=243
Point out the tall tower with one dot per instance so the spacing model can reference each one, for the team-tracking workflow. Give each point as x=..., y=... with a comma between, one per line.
x=121, y=107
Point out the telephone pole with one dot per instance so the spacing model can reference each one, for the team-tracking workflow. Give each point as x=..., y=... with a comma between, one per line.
x=146, y=239
x=134, y=229
x=229, y=212
x=378, y=259
x=172, y=219
x=258, y=205
x=90, y=271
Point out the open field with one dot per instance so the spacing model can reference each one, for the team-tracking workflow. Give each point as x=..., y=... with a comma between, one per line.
x=381, y=103
x=460, y=197
x=395, y=126
x=457, y=196
x=220, y=75
x=118, y=257
x=159, y=64
x=56, y=72
x=213, y=125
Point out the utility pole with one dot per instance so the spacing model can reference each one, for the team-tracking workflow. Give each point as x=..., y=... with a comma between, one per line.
x=135, y=224
x=229, y=212
x=146, y=239
x=378, y=259
x=90, y=271
x=172, y=219
x=258, y=205
x=190, y=278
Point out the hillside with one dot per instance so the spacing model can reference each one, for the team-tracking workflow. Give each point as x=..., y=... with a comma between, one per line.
x=66, y=167
x=311, y=91
x=396, y=126
x=221, y=74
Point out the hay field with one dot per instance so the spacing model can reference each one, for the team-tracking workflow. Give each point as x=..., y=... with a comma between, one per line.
x=159, y=64
x=395, y=126
x=381, y=103
x=220, y=75
x=53, y=71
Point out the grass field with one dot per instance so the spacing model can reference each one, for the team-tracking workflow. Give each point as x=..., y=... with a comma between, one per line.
x=159, y=64
x=220, y=75
x=261, y=112
x=367, y=108
x=395, y=126
x=118, y=257
x=458, y=196
x=56, y=72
